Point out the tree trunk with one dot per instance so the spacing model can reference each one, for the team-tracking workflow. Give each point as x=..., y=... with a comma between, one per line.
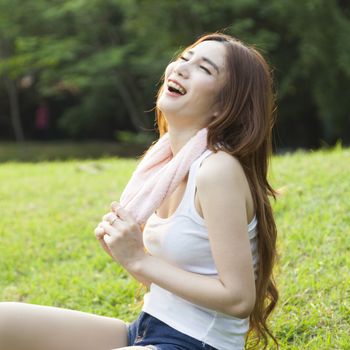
x=137, y=96
x=14, y=108
x=133, y=111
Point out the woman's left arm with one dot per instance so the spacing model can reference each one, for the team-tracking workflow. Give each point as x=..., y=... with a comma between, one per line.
x=220, y=184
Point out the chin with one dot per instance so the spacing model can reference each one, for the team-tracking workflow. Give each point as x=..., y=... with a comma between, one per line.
x=166, y=106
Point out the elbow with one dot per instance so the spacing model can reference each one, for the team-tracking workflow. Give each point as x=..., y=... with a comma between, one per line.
x=241, y=308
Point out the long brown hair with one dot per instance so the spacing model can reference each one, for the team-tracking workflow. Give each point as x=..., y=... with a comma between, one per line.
x=244, y=130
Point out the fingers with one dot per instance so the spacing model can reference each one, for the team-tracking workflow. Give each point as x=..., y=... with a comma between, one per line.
x=107, y=240
x=99, y=232
x=107, y=228
x=123, y=214
x=102, y=235
x=114, y=225
x=105, y=247
x=114, y=205
x=104, y=228
x=112, y=219
x=109, y=217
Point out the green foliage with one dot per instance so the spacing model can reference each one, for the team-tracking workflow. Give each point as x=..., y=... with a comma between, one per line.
x=76, y=47
x=49, y=255
x=319, y=60
x=133, y=138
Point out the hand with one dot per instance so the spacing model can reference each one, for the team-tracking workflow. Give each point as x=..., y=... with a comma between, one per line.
x=121, y=236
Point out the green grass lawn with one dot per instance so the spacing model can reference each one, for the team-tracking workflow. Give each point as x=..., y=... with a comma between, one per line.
x=49, y=255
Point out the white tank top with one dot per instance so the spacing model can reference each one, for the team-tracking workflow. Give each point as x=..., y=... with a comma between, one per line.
x=182, y=240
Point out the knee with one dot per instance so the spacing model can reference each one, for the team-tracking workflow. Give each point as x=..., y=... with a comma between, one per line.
x=9, y=312
x=5, y=313
x=7, y=308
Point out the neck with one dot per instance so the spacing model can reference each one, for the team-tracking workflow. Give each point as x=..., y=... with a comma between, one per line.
x=179, y=137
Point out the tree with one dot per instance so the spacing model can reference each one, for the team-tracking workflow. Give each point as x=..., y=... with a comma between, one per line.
x=109, y=55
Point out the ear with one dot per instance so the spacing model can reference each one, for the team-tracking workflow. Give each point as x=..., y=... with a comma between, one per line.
x=216, y=110
x=216, y=114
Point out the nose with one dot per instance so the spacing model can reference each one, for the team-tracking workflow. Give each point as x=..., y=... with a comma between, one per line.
x=181, y=69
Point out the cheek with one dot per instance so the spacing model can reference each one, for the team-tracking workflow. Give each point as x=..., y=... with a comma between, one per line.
x=204, y=95
x=206, y=88
x=169, y=69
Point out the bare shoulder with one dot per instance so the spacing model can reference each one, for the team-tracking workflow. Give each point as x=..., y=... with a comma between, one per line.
x=222, y=177
x=221, y=167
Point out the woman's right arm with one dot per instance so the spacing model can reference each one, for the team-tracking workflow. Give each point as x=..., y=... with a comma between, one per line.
x=99, y=235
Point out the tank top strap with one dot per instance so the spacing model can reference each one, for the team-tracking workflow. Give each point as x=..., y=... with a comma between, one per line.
x=188, y=198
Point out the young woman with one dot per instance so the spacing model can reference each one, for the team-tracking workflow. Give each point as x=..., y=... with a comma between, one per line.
x=208, y=250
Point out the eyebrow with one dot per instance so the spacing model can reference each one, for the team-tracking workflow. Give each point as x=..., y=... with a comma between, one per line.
x=207, y=60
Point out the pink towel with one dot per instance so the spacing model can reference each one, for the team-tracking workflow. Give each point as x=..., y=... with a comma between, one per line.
x=159, y=173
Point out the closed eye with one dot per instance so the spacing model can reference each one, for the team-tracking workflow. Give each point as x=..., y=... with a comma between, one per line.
x=206, y=69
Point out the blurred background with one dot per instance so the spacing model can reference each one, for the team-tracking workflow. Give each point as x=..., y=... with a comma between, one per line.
x=79, y=77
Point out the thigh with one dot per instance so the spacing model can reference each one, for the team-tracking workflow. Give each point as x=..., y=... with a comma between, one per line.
x=34, y=327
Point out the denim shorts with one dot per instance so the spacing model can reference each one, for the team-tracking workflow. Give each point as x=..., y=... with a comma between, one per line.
x=154, y=334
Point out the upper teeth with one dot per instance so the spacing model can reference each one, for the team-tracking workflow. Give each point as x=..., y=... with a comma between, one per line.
x=177, y=87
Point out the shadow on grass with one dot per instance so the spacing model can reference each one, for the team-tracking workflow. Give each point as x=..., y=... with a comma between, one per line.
x=63, y=150
x=55, y=151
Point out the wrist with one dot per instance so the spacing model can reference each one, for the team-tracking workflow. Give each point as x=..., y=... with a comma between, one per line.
x=137, y=264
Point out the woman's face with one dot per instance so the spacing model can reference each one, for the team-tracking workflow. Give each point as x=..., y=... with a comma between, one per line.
x=199, y=74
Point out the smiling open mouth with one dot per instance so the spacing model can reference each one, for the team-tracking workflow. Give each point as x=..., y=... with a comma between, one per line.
x=176, y=88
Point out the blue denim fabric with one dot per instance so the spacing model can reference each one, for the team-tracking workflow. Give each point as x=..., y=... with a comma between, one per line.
x=148, y=330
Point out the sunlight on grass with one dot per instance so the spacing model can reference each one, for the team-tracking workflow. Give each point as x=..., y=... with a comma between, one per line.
x=49, y=255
